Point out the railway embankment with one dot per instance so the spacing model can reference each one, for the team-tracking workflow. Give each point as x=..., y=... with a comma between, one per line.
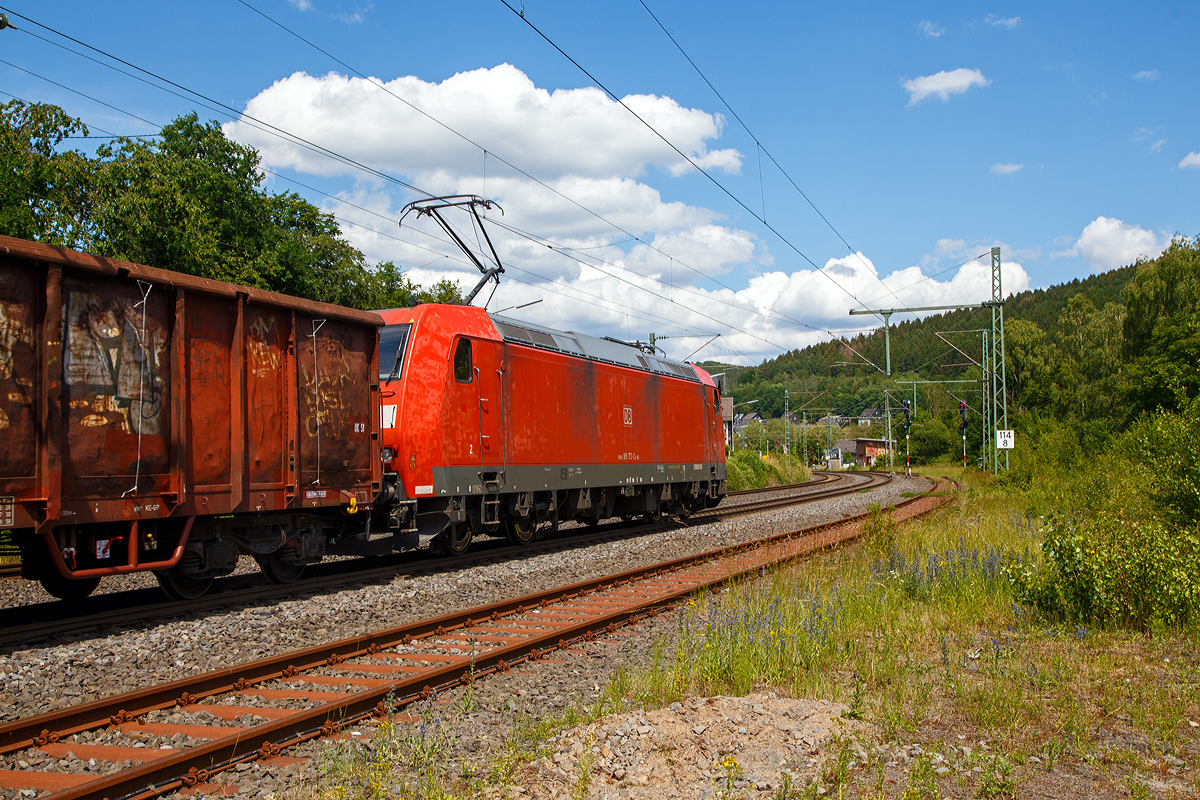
x=908, y=664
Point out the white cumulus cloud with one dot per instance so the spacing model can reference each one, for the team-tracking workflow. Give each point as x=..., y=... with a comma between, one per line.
x=1191, y=160
x=943, y=84
x=577, y=132
x=1108, y=243
x=1005, y=169
x=930, y=29
x=1145, y=75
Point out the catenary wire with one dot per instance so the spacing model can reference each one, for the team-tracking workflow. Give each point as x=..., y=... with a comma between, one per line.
x=681, y=154
x=325, y=151
x=470, y=141
x=761, y=147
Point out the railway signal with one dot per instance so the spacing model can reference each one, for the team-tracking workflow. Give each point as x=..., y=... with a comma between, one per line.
x=962, y=429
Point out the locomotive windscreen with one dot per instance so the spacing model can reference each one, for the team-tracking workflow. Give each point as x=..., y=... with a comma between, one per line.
x=393, y=340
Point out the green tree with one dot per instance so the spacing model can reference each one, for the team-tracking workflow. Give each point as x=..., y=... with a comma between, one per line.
x=930, y=439
x=44, y=192
x=1162, y=329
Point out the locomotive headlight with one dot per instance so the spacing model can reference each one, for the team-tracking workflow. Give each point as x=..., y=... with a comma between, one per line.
x=386, y=455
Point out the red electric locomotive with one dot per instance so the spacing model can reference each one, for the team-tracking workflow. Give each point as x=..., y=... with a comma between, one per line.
x=491, y=424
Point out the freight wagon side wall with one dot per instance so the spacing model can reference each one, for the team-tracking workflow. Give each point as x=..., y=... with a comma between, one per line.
x=131, y=393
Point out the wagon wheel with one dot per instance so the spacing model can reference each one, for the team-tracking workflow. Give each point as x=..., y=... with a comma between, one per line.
x=654, y=517
x=179, y=585
x=65, y=588
x=277, y=570
x=521, y=531
x=627, y=518
x=455, y=540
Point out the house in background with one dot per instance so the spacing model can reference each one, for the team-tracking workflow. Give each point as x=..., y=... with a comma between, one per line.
x=869, y=417
x=740, y=421
x=861, y=452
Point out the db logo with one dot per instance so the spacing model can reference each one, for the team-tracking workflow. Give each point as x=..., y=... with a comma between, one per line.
x=628, y=416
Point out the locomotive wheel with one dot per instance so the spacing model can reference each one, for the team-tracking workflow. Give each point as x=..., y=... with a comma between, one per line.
x=65, y=588
x=521, y=531
x=179, y=585
x=455, y=540
x=277, y=571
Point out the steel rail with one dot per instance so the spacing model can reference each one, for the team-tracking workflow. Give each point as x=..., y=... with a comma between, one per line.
x=12, y=569
x=195, y=764
x=44, y=627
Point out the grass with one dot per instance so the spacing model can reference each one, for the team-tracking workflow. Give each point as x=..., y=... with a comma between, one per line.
x=916, y=628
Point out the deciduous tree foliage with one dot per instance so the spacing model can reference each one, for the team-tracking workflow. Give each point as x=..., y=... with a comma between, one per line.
x=189, y=200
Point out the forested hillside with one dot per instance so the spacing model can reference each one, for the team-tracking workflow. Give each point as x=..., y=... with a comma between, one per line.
x=187, y=199
x=1098, y=352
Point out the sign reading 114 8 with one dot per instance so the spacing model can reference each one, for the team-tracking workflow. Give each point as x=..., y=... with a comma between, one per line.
x=1004, y=440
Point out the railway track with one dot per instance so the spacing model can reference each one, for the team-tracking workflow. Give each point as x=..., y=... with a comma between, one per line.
x=12, y=569
x=36, y=623
x=219, y=720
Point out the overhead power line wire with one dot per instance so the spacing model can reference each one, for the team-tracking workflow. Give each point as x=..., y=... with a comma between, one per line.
x=383, y=87
x=295, y=139
x=236, y=114
x=761, y=147
x=332, y=197
x=941, y=272
x=681, y=154
x=81, y=94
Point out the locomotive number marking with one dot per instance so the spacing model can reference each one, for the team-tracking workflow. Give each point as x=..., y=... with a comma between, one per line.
x=423, y=490
x=6, y=511
x=628, y=416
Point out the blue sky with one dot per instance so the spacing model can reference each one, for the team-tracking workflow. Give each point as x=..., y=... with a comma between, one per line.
x=1066, y=134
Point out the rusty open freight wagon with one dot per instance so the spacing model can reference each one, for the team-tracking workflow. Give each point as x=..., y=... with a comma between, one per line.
x=151, y=420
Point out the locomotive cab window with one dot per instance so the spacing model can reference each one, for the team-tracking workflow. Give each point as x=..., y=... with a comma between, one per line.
x=462, y=361
x=393, y=341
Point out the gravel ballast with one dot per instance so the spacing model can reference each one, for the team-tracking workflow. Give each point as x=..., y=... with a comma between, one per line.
x=87, y=666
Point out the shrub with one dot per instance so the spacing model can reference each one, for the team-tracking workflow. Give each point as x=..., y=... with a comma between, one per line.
x=1165, y=450
x=746, y=470
x=1113, y=571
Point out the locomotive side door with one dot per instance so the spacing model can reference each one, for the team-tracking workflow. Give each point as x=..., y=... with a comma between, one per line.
x=489, y=363
x=712, y=417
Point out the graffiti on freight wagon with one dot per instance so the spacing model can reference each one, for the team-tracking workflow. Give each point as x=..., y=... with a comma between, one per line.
x=17, y=363
x=327, y=390
x=113, y=361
